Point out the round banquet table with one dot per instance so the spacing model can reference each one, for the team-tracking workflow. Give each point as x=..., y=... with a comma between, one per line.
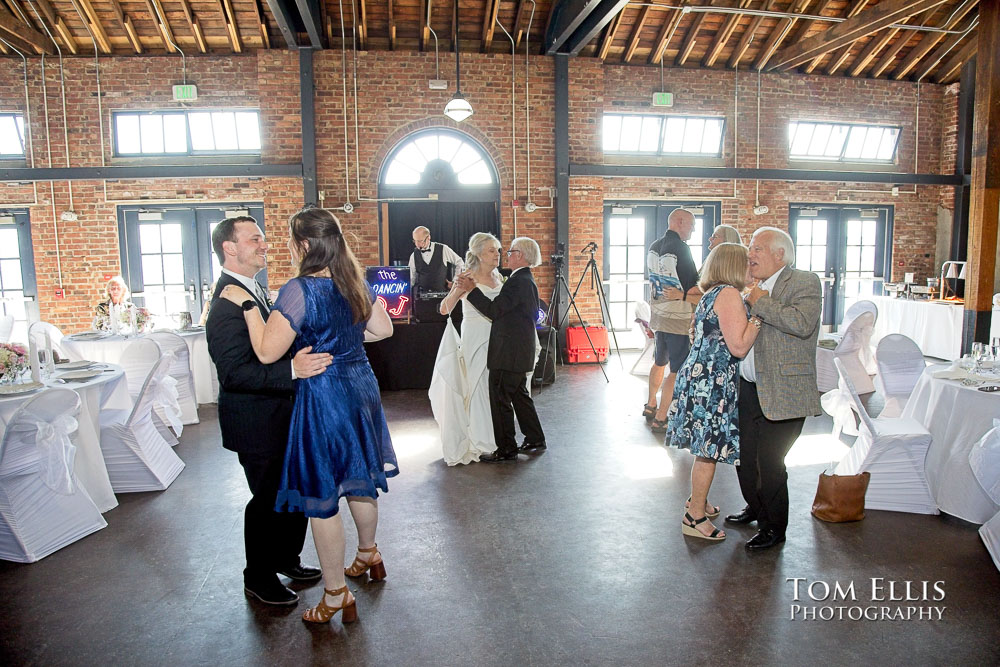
x=109, y=349
x=957, y=417
x=107, y=391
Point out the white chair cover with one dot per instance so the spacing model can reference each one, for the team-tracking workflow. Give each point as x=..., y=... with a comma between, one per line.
x=138, y=360
x=984, y=459
x=857, y=337
x=39, y=329
x=136, y=455
x=644, y=363
x=893, y=451
x=6, y=327
x=42, y=506
x=900, y=364
x=181, y=371
x=837, y=404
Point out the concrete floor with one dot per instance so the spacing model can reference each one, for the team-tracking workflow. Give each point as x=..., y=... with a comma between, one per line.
x=571, y=557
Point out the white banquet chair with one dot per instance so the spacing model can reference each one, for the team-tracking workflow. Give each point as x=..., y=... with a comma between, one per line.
x=893, y=451
x=181, y=371
x=900, y=364
x=984, y=459
x=849, y=351
x=644, y=363
x=138, y=360
x=38, y=331
x=6, y=327
x=42, y=505
x=135, y=453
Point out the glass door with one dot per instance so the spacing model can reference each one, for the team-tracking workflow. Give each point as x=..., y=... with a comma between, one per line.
x=847, y=247
x=18, y=290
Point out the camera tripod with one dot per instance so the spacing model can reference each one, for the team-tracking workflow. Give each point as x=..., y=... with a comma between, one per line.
x=596, y=284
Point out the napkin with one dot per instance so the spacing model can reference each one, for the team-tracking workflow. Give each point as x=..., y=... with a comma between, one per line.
x=956, y=372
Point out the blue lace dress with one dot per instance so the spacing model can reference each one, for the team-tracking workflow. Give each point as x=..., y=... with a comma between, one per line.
x=338, y=442
x=703, y=416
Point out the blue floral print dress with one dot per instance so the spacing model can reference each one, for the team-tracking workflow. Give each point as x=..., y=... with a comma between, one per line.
x=703, y=416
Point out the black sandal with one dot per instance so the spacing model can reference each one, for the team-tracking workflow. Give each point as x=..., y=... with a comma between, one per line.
x=711, y=515
x=689, y=527
x=658, y=425
x=649, y=411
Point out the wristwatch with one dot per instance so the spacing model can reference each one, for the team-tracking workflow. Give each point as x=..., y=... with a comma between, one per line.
x=249, y=304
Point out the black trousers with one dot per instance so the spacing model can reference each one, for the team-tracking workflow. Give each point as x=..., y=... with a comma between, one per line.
x=508, y=397
x=763, y=446
x=273, y=539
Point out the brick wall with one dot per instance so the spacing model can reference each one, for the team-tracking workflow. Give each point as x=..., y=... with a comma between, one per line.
x=393, y=101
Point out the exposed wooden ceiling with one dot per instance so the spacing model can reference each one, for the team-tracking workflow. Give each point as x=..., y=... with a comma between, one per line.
x=873, y=39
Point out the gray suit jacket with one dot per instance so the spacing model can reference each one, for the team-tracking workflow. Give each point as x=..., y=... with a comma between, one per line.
x=785, y=350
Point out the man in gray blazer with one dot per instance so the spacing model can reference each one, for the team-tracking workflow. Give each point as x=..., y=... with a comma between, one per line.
x=777, y=381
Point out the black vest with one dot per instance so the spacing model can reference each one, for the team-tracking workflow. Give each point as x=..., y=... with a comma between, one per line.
x=431, y=276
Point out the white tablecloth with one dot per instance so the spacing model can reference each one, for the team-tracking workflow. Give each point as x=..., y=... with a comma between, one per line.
x=957, y=417
x=108, y=391
x=935, y=327
x=110, y=349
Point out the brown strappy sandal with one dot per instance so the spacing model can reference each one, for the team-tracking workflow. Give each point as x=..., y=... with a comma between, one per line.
x=374, y=566
x=322, y=613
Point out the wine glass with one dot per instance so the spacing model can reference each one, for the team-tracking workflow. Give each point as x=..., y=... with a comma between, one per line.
x=978, y=355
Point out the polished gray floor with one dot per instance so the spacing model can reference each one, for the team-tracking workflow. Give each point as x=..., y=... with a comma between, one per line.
x=571, y=557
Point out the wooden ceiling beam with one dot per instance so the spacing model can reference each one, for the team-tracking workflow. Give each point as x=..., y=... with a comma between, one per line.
x=872, y=49
x=841, y=55
x=609, y=36
x=690, y=39
x=3, y=48
x=930, y=39
x=806, y=24
x=633, y=42
x=942, y=52
x=516, y=30
x=778, y=33
x=889, y=56
x=265, y=38
x=864, y=23
x=723, y=35
x=232, y=27
x=747, y=37
x=425, y=34
x=26, y=48
x=125, y=22
x=392, y=29
x=362, y=12
x=666, y=34
x=22, y=34
x=166, y=34
x=60, y=27
x=94, y=23
x=489, y=24
x=950, y=70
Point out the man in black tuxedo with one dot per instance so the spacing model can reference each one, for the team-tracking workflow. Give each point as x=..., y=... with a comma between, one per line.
x=511, y=354
x=255, y=408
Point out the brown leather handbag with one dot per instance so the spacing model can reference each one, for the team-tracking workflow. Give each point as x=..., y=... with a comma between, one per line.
x=840, y=498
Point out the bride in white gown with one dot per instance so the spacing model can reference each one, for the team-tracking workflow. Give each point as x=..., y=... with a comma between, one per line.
x=459, y=392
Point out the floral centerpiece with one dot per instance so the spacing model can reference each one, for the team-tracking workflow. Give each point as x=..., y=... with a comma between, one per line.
x=102, y=321
x=13, y=362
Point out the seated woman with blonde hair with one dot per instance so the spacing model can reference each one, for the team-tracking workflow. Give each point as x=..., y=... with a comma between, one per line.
x=117, y=303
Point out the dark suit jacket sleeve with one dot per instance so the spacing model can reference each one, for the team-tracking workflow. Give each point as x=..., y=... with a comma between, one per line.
x=230, y=348
x=515, y=293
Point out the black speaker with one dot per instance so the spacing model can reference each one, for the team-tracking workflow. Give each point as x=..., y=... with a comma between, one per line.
x=545, y=369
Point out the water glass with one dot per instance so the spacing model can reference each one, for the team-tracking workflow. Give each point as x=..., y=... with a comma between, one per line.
x=978, y=355
x=995, y=348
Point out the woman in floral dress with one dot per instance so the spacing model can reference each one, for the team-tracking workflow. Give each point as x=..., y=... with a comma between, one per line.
x=703, y=415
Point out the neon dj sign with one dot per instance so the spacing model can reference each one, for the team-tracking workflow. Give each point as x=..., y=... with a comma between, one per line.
x=391, y=285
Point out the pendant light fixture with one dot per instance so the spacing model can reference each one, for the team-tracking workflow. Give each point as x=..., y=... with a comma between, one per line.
x=458, y=108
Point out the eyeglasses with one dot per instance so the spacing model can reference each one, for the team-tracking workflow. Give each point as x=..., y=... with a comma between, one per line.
x=512, y=251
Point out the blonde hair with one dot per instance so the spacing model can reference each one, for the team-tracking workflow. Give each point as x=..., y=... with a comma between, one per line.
x=729, y=234
x=125, y=290
x=725, y=265
x=476, y=245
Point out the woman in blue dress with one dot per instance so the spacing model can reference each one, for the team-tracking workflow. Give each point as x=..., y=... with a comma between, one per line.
x=338, y=442
x=703, y=415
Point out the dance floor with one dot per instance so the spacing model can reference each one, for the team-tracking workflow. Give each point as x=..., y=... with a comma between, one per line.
x=571, y=557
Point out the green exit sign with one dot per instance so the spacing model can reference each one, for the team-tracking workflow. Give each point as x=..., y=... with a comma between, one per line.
x=185, y=93
x=663, y=99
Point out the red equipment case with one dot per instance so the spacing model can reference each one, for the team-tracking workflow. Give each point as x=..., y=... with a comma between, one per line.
x=578, y=347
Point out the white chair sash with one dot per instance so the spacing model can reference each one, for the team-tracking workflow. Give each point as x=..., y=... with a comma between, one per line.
x=56, y=452
x=164, y=392
x=837, y=404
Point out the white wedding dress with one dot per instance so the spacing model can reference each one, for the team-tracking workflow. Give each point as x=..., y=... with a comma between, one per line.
x=460, y=392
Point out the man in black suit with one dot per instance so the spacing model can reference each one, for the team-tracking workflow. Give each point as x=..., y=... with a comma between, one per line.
x=255, y=408
x=511, y=354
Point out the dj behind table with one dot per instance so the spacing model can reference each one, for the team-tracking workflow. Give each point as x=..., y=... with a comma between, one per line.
x=432, y=268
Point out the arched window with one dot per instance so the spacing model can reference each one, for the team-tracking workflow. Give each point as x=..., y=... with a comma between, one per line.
x=424, y=156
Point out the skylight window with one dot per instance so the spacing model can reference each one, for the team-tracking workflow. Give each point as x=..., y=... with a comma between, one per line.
x=11, y=135
x=663, y=135
x=187, y=133
x=466, y=160
x=837, y=142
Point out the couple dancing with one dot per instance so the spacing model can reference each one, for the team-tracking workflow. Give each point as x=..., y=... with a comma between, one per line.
x=481, y=375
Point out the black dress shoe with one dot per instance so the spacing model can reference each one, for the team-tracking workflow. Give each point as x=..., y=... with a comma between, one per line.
x=532, y=447
x=765, y=539
x=302, y=573
x=743, y=517
x=271, y=593
x=498, y=457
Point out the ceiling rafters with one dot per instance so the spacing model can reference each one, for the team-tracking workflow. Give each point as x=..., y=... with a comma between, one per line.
x=778, y=34
x=748, y=36
x=232, y=27
x=362, y=12
x=56, y=21
x=666, y=34
x=723, y=35
x=805, y=24
x=950, y=70
x=392, y=28
x=690, y=38
x=864, y=23
x=265, y=38
x=166, y=33
x=609, y=35
x=930, y=39
x=947, y=47
x=96, y=28
x=425, y=34
x=633, y=42
x=872, y=49
x=841, y=55
x=125, y=23
x=889, y=55
x=489, y=24
x=23, y=37
x=516, y=30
